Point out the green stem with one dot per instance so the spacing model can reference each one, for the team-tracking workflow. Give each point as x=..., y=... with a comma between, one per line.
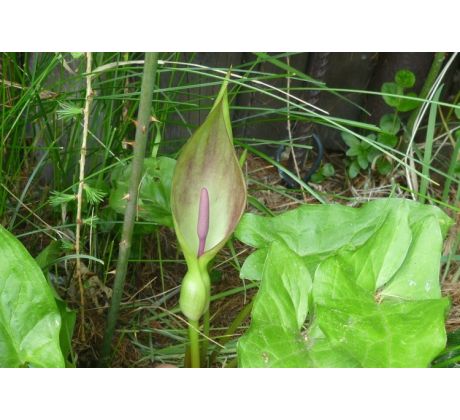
x=429, y=81
x=204, y=347
x=451, y=171
x=429, y=147
x=193, y=330
x=143, y=120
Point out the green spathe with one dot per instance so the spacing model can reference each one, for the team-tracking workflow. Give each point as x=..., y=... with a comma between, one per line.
x=207, y=161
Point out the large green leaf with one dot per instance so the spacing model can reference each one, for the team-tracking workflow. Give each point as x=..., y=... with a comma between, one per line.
x=29, y=318
x=376, y=294
x=315, y=232
x=280, y=310
x=277, y=337
x=375, y=332
x=154, y=191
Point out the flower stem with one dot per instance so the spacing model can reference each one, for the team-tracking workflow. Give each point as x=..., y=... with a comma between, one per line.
x=193, y=330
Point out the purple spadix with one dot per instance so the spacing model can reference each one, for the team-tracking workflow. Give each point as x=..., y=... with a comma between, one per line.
x=203, y=220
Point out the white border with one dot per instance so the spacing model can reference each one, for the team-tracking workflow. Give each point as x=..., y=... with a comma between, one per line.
x=228, y=394
x=237, y=25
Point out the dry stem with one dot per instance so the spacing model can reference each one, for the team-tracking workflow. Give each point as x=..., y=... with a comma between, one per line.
x=88, y=100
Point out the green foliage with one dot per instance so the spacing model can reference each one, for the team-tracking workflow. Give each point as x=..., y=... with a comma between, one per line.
x=362, y=154
x=29, y=318
x=450, y=357
x=326, y=171
x=403, y=79
x=68, y=111
x=77, y=54
x=68, y=319
x=383, y=165
x=457, y=111
x=387, y=139
x=93, y=195
x=59, y=199
x=45, y=259
x=359, y=150
x=375, y=300
x=154, y=193
x=390, y=123
x=49, y=254
x=391, y=88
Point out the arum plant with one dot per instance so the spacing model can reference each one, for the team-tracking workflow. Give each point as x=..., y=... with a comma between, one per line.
x=208, y=198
